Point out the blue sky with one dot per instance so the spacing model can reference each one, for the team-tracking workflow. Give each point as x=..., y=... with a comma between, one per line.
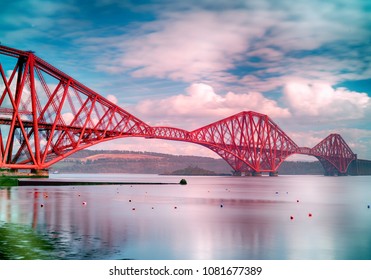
x=307, y=64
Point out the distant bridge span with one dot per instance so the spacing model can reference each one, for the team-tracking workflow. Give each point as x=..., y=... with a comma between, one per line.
x=46, y=115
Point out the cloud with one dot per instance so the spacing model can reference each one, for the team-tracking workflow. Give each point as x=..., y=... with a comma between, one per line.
x=257, y=45
x=321, y=101
x=186, y=46
x=112, y=98
x=200, y=103
x=260, y=40
x=67, y=117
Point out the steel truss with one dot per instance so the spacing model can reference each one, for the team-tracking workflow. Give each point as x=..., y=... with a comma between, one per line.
x=46, y=115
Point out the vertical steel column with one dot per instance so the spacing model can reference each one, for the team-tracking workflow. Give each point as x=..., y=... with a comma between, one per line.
x=34, y=102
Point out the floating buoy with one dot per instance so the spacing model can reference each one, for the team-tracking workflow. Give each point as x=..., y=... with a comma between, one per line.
x=133, y=209
x=153, y=207
x=42, y=205
x=84, y=203
x=310, y=215
x=276, y=192
x=368, y=206
x=129, y=200
x=291, y=217
x=175, y=207
x=297, y=200
x=221, y=205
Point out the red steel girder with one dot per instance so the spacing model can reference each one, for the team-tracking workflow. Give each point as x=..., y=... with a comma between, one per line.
x=46, y=115
x=252, y=138
x=334, y=154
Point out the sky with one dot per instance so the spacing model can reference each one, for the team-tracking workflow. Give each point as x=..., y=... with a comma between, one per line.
x=306, y=64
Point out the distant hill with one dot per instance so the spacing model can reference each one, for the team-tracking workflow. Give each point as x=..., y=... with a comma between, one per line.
x=195, y=171
x=102, y=161
x=99, y=161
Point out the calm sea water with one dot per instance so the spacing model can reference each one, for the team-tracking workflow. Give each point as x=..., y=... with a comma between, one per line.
x=285, y=217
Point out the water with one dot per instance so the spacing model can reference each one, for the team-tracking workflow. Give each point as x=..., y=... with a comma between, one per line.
x=210, y=218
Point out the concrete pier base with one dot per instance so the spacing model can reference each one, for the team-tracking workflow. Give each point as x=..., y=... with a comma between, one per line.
x=237, y=173
x=44, y=173
x=39, y=173
x=9, y=177
x=257, y=174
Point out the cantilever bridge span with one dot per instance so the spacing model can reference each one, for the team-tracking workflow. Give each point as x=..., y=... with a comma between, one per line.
x=46, y=115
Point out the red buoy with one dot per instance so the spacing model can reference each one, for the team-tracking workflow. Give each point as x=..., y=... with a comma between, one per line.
x=84, y=203
x=310, y=214
x=291, y=217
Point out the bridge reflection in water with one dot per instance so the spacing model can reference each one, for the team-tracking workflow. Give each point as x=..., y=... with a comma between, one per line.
x=188, y=222
x=46, y=115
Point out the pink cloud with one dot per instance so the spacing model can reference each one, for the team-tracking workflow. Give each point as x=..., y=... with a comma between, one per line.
x=201, y=104
x=190, y=46
x=112, y=98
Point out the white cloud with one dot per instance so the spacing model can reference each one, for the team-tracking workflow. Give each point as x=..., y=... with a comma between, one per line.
x=200, y=104
x=322, y=101
x=112, y=98
x=67, y=117
x=190, y=46
x=254, y=44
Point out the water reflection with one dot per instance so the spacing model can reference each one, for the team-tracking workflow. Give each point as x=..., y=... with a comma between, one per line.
x=210, y=218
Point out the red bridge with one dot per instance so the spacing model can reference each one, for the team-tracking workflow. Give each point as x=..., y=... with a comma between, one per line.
x=46, y=115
